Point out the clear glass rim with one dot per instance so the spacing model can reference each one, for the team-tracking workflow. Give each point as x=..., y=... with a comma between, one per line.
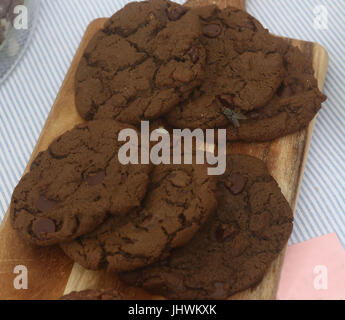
x=26, y=43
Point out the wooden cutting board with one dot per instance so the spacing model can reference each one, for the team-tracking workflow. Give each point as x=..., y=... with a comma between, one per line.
x=51, y=273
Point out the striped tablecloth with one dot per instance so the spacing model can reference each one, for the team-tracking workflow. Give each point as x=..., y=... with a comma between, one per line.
x=27, y=96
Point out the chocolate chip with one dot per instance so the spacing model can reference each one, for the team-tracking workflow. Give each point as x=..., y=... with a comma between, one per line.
x=95, y=179
x=226, y=100
x=176, y=13
x=236, y=183
x=286, y=92
x=226, y=232
x=212, y=30
x=42, y=227
x=194, y=54
x=43, y=204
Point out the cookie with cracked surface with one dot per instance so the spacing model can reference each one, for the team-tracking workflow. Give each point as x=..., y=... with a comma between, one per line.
x=93, y=294
x=292, y=108
x=147, y=58
x=236, y=246
x=243, y=69
x=75, y=184
x=246, y=72
x=179, y=201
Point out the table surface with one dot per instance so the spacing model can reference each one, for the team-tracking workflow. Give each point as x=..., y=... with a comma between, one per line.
x=28, y=94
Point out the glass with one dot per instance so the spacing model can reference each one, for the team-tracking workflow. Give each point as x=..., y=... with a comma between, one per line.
x=16, y=28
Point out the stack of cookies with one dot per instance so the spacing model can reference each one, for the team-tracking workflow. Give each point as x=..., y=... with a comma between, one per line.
x=196, y=68
x=171, y=229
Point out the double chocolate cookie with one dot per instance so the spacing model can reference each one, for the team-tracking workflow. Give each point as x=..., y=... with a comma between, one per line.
x=235, y=248
x=179, y=201
x=256, y=85
x=146, y=60
x=293, y=106
x=74, y=185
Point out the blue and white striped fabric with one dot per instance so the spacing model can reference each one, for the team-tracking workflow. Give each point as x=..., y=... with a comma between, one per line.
x=27, y=96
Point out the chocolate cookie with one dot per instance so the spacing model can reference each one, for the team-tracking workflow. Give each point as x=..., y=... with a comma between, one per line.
x=293, y=106
x=246, y=72
x=74, y=185
x=147, y=58
x=179, y=201
x=236, y=246
x=103, y=294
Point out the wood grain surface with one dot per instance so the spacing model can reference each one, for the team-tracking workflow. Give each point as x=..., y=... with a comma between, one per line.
x=51, y=273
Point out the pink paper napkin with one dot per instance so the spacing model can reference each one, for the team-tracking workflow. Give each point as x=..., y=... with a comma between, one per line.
x=314, y=270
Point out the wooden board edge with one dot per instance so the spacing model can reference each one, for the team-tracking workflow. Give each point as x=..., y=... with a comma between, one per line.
x=320, y=54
